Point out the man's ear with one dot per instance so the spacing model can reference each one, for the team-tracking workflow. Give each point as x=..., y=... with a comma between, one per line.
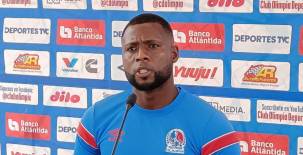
x=175, y=53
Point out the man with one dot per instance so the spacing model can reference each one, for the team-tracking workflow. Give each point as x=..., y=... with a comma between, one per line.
x=165, y=119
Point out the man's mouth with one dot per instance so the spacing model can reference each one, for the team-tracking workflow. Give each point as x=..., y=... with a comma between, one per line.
x=142, y=72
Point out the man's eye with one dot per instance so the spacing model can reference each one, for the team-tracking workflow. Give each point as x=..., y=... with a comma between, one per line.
x=153, y=46
x=131, y=49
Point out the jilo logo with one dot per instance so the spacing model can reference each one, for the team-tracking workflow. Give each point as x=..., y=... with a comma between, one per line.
x=65, y=97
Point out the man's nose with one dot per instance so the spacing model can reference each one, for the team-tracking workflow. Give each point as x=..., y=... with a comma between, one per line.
x=142, y=54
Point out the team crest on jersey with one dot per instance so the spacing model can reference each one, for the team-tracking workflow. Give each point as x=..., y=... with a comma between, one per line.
x=175, y=141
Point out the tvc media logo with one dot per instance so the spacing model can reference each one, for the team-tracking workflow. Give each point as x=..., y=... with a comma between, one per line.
x=235, y=109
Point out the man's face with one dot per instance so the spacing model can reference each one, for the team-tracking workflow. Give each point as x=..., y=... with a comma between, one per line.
x=148, y=55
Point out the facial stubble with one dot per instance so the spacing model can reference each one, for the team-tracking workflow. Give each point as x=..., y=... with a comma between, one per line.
x=160, y=77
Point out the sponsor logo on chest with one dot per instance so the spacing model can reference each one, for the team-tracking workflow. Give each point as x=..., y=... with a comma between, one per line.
x=175, y=141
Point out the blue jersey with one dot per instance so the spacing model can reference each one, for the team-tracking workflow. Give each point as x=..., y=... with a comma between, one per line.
x=188, y=126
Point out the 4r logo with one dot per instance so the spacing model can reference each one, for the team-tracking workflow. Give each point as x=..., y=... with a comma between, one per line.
x=225, y=3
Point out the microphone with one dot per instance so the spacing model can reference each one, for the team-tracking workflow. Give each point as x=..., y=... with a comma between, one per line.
x=130, y=102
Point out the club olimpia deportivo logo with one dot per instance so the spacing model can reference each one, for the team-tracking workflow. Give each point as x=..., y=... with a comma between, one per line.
x=175, y=141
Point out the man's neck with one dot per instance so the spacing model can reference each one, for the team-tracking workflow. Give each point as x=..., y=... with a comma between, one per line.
x=157, y=98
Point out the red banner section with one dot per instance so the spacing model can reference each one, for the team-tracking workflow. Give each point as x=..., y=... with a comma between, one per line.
x=199, y=36
x=263, y=144
x=81, y=32
x=28, y=126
